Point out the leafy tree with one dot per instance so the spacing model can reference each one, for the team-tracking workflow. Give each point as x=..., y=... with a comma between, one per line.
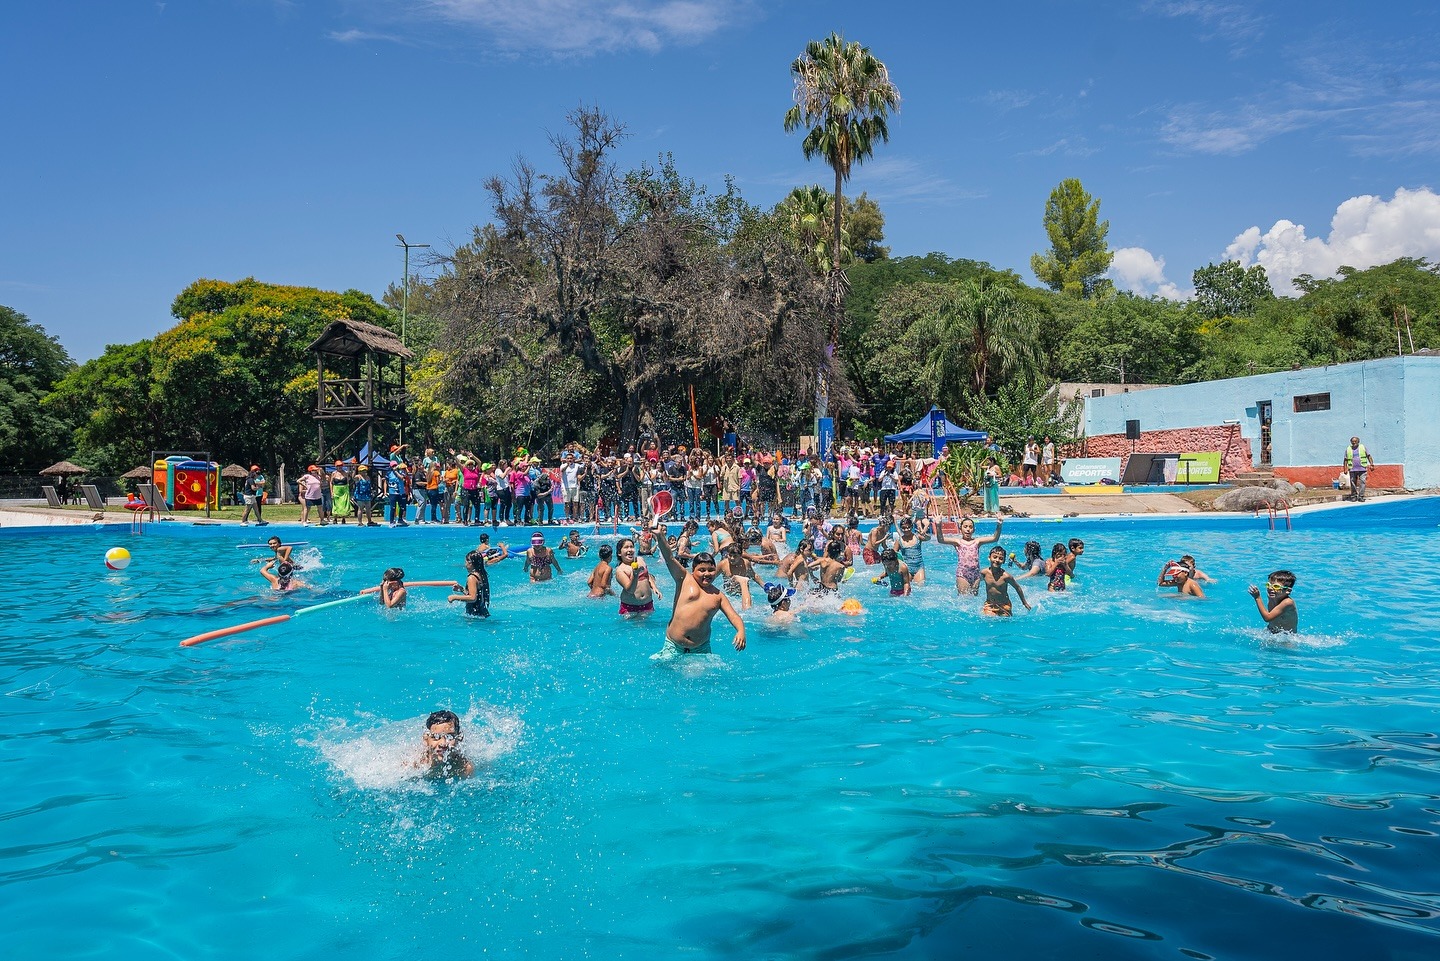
x=1078, y=256
x=1228, y=290
x=843, y=96
x=866, y=229
x=1025, y=407
x=1151, y=340
x=961, y=337
x=32, y=434
x=110, y=400
x=235, y=376
x=644, y=280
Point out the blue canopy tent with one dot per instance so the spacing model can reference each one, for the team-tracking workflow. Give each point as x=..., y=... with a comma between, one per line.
x=920, y=433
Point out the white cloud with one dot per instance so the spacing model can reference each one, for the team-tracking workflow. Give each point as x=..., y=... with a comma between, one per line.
x=1234, y=23
x=1137, y=270
x=586, y=26
x=1366, y=231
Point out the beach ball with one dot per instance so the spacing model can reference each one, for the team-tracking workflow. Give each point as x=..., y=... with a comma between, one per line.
x=117, y=558
x=852, y=607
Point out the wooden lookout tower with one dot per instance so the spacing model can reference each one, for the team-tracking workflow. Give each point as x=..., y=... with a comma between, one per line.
x=359, y=388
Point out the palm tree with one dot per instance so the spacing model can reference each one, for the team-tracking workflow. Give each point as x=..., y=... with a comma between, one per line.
x=807, y=214
x=967, y=334
x=842, y=96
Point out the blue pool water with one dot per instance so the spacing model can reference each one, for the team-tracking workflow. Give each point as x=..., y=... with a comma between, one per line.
x=1117, y=775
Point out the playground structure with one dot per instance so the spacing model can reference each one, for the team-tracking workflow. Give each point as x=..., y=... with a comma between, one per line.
x=186, y=480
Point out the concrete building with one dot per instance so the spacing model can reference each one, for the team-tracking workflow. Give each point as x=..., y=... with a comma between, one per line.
x=1296, y=422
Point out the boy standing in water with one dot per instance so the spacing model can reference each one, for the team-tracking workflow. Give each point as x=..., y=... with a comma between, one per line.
x=1277, y=608
x=441, y=757
x=600, y=577
x=998, y=582
x=697, y=600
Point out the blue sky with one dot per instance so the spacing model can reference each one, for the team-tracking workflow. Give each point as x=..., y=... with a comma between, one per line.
x=153, y=143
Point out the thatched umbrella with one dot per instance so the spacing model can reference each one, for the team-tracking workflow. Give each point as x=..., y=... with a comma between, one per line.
x=235, y=474
x=64, y=469
x=140, y=473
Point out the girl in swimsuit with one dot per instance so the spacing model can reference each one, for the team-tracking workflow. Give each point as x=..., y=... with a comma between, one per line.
x=637, y=587
x=1057, y=567
x=967, y=553
x=477, y=586
x=1033, y=565
x=908, y=546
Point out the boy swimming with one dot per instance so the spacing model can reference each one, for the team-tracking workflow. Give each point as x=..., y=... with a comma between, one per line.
x=440, y=756
x=1278, y=609
x=279, y=574
x=998, y=582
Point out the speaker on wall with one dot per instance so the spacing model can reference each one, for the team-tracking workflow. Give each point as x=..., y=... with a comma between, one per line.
x=1132, y=430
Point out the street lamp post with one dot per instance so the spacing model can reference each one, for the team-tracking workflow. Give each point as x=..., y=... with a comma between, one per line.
x=405, y=290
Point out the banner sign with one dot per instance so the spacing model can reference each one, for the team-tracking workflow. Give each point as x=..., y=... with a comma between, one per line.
x=939, y=430
x=825, y=431
x=1091, y=470
x=1203, y=468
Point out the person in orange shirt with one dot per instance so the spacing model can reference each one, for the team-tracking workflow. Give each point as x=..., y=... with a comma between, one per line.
x=449, y=488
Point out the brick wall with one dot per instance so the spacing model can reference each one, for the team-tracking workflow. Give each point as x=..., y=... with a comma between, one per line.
x=1381, y=475
x=1234, y=450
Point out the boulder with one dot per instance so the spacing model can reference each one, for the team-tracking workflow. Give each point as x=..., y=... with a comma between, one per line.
x=1250, y=499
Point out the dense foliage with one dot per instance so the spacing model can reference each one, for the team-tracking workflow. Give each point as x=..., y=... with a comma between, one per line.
x=32, y=436
x=234, y=377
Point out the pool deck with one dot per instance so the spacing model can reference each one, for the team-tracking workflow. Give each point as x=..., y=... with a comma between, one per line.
x=1030, y=504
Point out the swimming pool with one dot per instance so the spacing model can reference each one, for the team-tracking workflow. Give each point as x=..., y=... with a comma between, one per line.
x=1117, y=775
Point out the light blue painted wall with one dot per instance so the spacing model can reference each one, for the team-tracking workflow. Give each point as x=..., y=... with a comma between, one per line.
x=1391, y=404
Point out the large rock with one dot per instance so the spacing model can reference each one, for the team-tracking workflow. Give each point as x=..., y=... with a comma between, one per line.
x=1250, y=499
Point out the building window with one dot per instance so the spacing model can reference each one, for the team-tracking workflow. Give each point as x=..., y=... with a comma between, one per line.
x=1308, y=402
x=1097, y=391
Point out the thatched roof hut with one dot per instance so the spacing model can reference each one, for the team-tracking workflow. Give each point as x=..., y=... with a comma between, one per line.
x=353, y=338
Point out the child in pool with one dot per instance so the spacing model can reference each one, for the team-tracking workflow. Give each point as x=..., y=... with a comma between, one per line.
x=282, y=552
x=441, y=757
x=1033, y=565
x=1057, y=568
x=998, y=582
x=1175, y=574
x=897, y=573
x=1278, y=609
x=477, y=581
x=392, y=588
x=778, y=596
x=1195, y=572
x=573, y=545
x=600, y=577
x=1077, y=547
x=279, y=574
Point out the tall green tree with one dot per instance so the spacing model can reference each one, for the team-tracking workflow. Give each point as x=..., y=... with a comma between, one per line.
x=1078, y=256
x=32, y=435
x=1228, y=290
x=843, y=95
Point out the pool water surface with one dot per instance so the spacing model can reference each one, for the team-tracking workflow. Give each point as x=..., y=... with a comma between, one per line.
x=1119, y=774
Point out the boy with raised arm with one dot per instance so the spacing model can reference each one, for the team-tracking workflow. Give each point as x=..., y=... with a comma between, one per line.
x=1278, y=609
x=697, y=600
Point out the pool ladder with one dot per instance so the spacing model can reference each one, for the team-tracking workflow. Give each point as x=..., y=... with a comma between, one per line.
x=1276, y=510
